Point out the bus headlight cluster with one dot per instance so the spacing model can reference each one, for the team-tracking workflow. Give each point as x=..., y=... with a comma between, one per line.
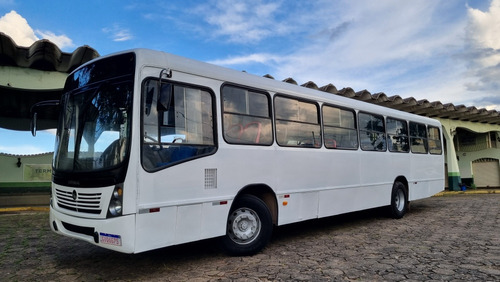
x=115, y=204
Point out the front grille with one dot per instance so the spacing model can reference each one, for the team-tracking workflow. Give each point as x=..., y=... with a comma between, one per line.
x=79, y=202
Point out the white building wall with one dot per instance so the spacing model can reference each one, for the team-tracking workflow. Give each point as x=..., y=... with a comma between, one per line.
x=33, y=168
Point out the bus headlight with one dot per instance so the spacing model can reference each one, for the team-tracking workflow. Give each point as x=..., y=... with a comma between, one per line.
x=115, y=204
x=115, y=207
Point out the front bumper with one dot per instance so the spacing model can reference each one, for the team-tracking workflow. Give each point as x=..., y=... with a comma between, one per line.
x=116, y=234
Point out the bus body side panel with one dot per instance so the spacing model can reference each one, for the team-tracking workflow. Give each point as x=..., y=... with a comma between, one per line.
x=298, y=207
x=426, y=176
x=373, y=189
x=176, y=207
x=313, y=178
x=155, y=229
x=300, y=175
x=349, y=199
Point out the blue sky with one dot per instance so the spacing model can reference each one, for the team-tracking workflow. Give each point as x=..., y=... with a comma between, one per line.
x=438, y=50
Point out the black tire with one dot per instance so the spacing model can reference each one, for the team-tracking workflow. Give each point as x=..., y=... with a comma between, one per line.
x=249, y=227
x=399, y=200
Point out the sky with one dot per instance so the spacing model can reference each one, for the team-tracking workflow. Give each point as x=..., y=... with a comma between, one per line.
x=438, y=50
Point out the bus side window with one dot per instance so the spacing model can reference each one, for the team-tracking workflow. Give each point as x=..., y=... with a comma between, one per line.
x=418, y=138
x=372, y=132
x=339, y=127
x=397, y=135
x=434, y=141
x=247, y=116
x=297, y=123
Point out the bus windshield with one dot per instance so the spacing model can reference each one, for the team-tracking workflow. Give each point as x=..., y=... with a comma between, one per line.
x=94, y=128
x=95, y=117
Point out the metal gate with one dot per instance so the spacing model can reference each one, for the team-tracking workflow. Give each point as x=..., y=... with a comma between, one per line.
x=486, y=173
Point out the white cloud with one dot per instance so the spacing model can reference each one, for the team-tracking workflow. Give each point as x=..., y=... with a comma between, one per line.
x=483, y=54
x=341, y=33
x=52, y=131
x=484, y=26
x=380, y=35
x=366, y=46
x=62, y=41
x=242, y=21
x=261, y=58
x=118, y=33
x=17, y=27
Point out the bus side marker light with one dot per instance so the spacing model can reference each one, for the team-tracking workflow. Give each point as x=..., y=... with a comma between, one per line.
x=154, y=210
x=219, y=203
x=285, y=203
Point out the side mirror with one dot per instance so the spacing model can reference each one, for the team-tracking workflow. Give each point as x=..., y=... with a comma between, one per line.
x=34, y=113
x=33, y=124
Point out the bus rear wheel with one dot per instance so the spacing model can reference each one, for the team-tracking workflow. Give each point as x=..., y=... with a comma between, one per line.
x=249, y=227
x=399, y=200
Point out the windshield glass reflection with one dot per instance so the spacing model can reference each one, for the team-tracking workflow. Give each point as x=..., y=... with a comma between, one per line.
x=94, y=133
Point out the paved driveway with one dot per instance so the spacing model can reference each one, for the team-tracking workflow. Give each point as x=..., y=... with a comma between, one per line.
x=442, y=238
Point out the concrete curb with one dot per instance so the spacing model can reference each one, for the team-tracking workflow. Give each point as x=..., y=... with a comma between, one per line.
x=20, y=209
x=468, y=192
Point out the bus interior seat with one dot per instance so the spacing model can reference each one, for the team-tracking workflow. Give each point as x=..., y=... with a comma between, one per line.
x=250, y=133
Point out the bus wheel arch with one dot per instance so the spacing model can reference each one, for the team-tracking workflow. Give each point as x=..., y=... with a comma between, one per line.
x=399, y=198
x=249, y=222
x=249, y=226
x=266, y=194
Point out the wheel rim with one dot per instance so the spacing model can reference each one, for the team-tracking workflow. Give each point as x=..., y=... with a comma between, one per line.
x=244, y=226
x=399, y=200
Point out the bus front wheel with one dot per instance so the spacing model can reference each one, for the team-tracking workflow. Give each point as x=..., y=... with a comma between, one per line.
x=249, y=226
x=399, y=200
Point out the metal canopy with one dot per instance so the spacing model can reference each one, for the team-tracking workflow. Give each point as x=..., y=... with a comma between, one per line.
x=45, y=59
x=43, y=55
x=411, y=105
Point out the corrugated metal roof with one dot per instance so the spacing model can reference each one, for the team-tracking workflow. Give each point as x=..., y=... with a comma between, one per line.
x=15, y=102
x=25, y=155
x=43, y=55
x=423, y=107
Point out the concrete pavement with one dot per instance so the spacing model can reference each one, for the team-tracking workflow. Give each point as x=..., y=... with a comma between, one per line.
x=451, y=238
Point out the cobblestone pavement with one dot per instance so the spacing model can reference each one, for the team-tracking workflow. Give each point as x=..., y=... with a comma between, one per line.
x=441, y=238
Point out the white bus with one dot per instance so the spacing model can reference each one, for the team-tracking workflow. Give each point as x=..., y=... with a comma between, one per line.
x=154, y=150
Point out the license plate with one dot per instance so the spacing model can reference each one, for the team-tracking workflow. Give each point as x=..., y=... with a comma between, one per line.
x=110, y=239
